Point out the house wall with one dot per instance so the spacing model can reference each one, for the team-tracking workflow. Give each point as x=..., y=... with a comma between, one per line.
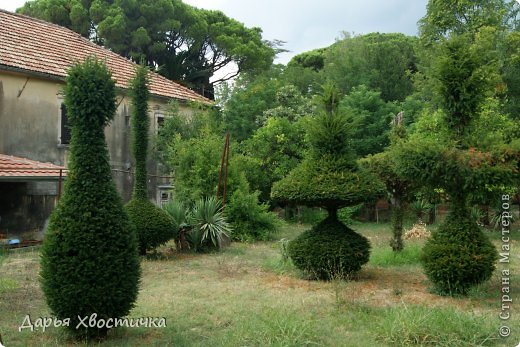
x=30, y=128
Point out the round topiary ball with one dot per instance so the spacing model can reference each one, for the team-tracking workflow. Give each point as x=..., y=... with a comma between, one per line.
x=458, y=256
x=153, y=225
x=329, y=250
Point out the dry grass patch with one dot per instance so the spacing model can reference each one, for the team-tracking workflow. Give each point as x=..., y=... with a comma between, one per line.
x=246, y=296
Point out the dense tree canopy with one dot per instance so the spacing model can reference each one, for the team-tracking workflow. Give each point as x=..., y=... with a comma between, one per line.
x=382, y=62
x=183, y=42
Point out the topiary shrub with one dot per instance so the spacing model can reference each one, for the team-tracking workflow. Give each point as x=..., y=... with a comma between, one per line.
x=156, y=227
x=329, y=250
x=329, y=177
x=89, y=260
x=458, y=238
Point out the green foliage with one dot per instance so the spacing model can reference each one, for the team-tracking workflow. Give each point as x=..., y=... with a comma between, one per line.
x=420, y=208
x=382, y=62
x=139, y=94
x=209, y=225
x=250, y=220
x=247, y=102
x=329, y=250
x=465, y=79
x=458, y=255
x=196, y=165
x=187, y=43
x=154, y=226
x=179, y=214
x=346, y=214
x=314, y=59
x=443, y=18
x=273, y=151
x=369, y=116
x=89, y=261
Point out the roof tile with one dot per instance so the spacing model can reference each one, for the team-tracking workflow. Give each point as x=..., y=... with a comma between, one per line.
x=35, y=45
x=17, y=167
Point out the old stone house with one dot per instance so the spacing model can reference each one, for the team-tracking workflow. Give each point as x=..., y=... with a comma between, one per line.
x=34, y=58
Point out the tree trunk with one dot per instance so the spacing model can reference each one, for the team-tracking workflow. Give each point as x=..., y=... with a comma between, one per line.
x=397, y=224
x=333, y=212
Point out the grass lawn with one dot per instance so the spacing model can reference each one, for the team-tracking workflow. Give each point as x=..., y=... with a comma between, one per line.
x=245, y=296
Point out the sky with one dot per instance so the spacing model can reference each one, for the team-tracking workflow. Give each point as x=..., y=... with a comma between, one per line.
x=310, y=24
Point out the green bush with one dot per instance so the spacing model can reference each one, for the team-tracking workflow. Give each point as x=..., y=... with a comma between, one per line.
x=458, y=256
x=154, y=226
x=89, y=260
x=250, y=219
x=329, y=250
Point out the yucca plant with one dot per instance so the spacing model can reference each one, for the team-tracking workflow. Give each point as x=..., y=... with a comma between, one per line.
x=179, y=213
x=209, y=224
x=420, y=208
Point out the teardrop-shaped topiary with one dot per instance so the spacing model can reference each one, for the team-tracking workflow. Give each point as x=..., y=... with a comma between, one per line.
x=458, y=255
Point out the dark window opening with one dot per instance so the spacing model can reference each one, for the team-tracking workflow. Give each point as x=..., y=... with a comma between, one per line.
x=160, y=122
x=65, y=128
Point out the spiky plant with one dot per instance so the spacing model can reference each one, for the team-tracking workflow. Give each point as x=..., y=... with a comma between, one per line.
x=209, y=224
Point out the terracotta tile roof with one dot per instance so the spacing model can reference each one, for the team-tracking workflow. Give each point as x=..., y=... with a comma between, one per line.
x=35, y=45
x=16, y=167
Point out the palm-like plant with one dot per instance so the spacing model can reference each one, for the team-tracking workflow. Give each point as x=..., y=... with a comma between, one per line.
x=179, y=213
x=209, y=223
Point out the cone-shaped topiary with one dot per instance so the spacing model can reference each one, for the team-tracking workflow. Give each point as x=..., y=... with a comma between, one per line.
x=458, y=238
x=153, y=225
x=89, y=261
x=329, y=177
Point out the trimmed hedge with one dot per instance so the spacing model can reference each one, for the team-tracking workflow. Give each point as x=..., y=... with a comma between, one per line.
x=89, y=260
x=458, y=256
x=153, y=225
x=327, y=181
x=329, y=250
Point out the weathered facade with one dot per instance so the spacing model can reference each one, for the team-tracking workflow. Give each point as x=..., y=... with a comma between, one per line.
x=34, y=58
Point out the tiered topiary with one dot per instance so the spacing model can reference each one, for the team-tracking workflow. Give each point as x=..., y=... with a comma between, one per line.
x=329, y=177
x=89, y=260
x=154, y=226
x=458, y=256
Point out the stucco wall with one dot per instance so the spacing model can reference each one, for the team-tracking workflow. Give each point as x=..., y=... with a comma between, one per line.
x=30, y=127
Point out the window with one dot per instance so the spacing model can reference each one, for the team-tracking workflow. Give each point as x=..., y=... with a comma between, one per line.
x=159, y=121
x=64, y=126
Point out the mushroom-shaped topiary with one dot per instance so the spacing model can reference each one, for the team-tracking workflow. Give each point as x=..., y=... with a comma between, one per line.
x=329, y=177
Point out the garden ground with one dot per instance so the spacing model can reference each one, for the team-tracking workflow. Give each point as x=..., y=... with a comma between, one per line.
x=246, y=296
